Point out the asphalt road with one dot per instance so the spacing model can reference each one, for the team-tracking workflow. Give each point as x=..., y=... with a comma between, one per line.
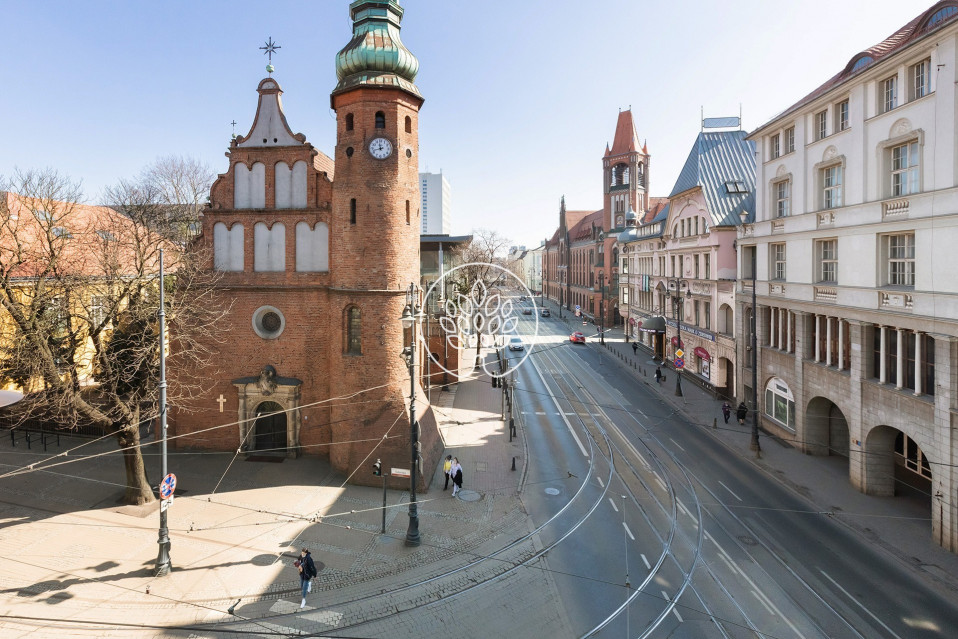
x=710, y=545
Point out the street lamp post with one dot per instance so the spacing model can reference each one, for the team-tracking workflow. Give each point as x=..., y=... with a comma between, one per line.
x=163, y=564
x=678, y=302
x=753, y=444
x=411, y=317
x=602, y=308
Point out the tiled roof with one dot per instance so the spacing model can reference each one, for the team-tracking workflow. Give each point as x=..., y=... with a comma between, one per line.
x=626, y=140
x=902, y=38
x=656, y=204
x=583, y=228
x=717, y=159
x=574, y=217
x=83, y=230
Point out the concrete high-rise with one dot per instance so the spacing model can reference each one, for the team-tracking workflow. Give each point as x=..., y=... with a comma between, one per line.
x=435, y=203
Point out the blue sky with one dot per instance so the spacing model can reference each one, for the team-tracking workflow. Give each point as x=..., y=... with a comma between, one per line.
x=521, y=95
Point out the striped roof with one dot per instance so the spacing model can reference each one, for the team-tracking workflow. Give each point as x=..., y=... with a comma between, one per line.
x=722, y=164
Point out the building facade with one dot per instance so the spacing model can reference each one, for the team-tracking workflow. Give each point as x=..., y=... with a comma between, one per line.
x=309, y=358
x=435, y=204
x=852, y=241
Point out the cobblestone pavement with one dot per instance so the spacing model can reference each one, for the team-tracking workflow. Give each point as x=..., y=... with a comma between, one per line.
x=73, y=556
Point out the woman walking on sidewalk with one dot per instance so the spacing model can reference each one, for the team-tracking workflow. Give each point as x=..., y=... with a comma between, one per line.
x=456, y=473
x=446, y=465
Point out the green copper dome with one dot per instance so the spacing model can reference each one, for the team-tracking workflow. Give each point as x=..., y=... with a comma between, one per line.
x=376, y=56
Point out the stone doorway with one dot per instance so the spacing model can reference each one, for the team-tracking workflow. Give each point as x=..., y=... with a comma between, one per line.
x=269, y=429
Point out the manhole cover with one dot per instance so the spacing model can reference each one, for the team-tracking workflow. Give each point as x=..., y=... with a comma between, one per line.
x=748, y=541
x=552, y=491
x=468, y=495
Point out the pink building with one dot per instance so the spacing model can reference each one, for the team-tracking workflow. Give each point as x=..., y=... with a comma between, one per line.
x=678, y=270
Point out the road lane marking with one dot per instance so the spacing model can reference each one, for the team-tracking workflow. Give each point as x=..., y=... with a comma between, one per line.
x=686, y=511
x=676, y=612
x=677, y=444
x=628, y=532
x=645, y=561
x=762, y=601
x=730, y=490
x=568, y=425
x=890, y=631
x=614, y=507
x=540, y=412
x=600, y=481
x=659, y=480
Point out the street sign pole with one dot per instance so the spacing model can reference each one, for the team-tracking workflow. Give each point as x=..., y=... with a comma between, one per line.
x=163, y=564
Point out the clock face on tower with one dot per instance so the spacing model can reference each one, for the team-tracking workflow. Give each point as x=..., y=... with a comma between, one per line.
x=380, y=148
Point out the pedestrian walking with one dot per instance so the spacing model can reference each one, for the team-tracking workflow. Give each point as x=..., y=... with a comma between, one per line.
x=658, y=374
x=635, y=348
x=456, y=472
x=446, y=465
x=307, y=570
x=726, y=411
x=741, y=412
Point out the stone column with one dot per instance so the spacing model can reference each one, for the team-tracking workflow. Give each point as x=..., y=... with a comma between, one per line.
x=828, y=341
x=802, y=325
x=788, y=332
x=944, y=484
x=861, y=336
x=781, y=329
x=818, y=342
x=841, y=344
x=918, y=362
x=883, y=351
x=900, y=363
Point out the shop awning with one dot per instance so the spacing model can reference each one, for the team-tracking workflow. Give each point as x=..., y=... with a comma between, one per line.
x=653, y=325
x=703, y=354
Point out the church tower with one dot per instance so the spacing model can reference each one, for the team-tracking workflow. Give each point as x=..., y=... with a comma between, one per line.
x=315, y=256
x=625, y=174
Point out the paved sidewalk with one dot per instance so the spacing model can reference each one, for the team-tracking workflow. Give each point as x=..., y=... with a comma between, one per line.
x=899, y=525
x=70, y=552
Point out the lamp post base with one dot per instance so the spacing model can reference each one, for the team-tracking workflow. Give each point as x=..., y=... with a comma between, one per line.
x=412, y=533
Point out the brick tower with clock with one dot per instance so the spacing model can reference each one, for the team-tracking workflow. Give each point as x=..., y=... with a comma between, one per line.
x=317, y=256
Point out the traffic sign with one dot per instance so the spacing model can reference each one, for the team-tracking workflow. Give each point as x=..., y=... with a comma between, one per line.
x=577, y=307
x=399, y=472
x=678, y=362
x=679, y=353
x=167, y=486
x=166, y=503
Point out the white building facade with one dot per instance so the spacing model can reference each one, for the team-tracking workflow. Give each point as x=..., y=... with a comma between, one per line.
x=435, y=204
x=853, y=240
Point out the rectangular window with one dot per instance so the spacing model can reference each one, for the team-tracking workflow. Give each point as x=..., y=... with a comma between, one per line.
x=889, y=93
x=832, y=187
x=790, y=139
x=748, y=262
x=697, y=316
x=842, y=116
x=921, y=79
x=625, y=295
x=778, y=261
x=775, y=146
x=708, y=272
x=708, y=315
x=696, y=267
x=97, y=310
x=781, y=198
x=828, y=261
x=904, y=169
x=821, y=122
x=900, y=250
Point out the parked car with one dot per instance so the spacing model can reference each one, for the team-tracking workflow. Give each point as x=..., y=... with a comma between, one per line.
x=527, y=311
x=515, y=344
x=546, y=313
x=577, y=338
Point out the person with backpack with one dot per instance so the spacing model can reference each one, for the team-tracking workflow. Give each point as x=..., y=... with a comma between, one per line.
x=307, y=570
x=741, y=412
x=456, y=473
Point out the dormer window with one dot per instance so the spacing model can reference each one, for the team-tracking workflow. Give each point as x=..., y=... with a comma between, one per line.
x=735, y=186
x=106, y=235
x=940, y=16
x=380, y=120
x=862, y=62
x=59, y=231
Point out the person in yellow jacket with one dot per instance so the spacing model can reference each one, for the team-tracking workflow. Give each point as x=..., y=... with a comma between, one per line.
x=446, y=466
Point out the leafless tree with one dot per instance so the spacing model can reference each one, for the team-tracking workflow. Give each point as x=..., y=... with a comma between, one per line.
x=80, y=289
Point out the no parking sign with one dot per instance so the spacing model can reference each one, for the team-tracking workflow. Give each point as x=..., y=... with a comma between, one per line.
x=167, y=486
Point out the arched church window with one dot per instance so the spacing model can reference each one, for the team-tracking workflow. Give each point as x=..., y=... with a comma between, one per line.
x=227, y=247
x=354, y=344
x=349, y=121
x=380, y=120
x=640, y=175
x=269, y=247
x=408, y=124
x=312, y=248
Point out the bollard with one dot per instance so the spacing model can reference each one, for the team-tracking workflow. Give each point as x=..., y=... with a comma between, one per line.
x=43, y=439
x=513, y=463
x=714, y=423
x=512, y=428
x=28, y=440
x=13, y=439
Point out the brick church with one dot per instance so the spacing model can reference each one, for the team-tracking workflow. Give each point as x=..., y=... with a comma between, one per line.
x=316, y=255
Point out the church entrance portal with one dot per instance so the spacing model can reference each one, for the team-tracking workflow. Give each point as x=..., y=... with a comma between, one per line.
x=269, y=433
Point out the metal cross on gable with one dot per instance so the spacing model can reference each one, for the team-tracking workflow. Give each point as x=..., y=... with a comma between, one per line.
x=270, y=49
